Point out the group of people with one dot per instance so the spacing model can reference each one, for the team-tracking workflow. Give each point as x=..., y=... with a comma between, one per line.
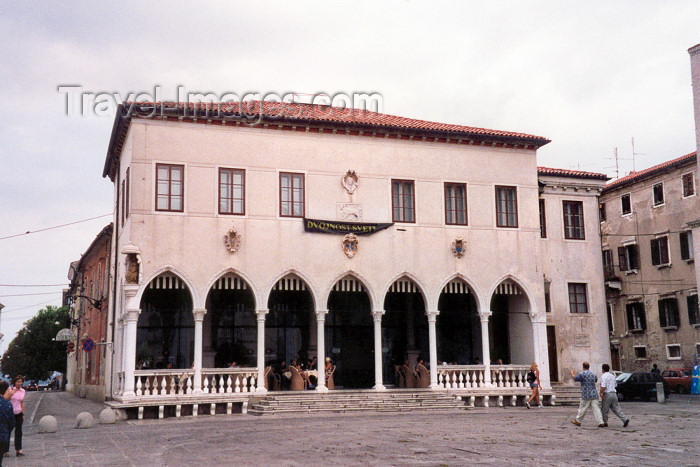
x=590, y=397
x=308, y=372
x=416, y=377
x=11, y=416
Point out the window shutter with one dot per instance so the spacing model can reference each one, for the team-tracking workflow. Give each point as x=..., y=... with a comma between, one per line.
x=655, y=259
x=685, y=253
x=622, y=256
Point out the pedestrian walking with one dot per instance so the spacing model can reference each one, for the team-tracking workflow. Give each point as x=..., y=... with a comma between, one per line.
x=533, y=378
x=7, y=419
x=17, y=400
x=589, y=396
x=608, y=393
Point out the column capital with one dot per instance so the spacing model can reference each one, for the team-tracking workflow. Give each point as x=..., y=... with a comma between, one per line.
x=131, y=315
x=536, y=317
x=432, y=315
x=261, y=313
x=377, y=315
x=321, y=315
x=130, y=290
x=199, y=313
x=485, y=315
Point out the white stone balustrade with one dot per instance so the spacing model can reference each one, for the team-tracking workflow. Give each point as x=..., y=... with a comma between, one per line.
x=473, y=376
x=164, y=383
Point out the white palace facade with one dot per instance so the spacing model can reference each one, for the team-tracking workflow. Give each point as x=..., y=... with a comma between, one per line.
x=293, y=231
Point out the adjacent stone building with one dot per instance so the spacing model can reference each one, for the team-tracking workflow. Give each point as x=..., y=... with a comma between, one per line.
x=649, y=264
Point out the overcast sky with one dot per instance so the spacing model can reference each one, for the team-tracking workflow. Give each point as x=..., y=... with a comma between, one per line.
x=587, y=75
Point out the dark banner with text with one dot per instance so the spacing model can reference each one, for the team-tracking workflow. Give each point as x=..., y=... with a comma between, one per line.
x=337, y=227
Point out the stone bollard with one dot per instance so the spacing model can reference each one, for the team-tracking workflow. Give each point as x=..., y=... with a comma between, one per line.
x=660, y=394
x=84, y=420
x=108, y=416
x=48, y=424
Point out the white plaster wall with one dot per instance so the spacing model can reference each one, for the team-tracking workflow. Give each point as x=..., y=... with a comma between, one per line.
x=577, y=261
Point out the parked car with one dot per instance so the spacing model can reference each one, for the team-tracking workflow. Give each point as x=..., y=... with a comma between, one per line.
x=639, y=384
x=678, y=379
x=30, y=385
x=43, y=384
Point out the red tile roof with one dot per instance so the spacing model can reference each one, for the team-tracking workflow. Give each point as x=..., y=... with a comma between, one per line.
x=257, y=113
x=326, y=113
x=635, y=177
x=570, y=173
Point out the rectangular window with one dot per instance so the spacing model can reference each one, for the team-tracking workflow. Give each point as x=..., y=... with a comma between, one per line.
x=123, y=201
x=668, y=313
x=640, y=352
x=403, y=201
x=506, y=206
x=543, y=220
x=659, y=251
x=602, y=216
x=688, y=184
x=170, y=187
x=611, y=322
x=578, y=300
x=629, y=257
x=693, y=312
x=608, y=266
x=456, y=203
x=231, y=191
x=291, y=194
x=636, y=319
x=547, y=296
x=573, y=220
x=673, y=352
x=658, y=194
x=626, y=203
x=686, y=239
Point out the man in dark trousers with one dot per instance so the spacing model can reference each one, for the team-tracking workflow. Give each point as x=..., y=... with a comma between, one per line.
x=7, y=419
x=589, y=396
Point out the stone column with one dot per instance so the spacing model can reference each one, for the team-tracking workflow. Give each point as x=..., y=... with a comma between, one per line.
x=485, y=346
x=432, y=340
x=261, y=350
x=539, y=337
x=198, y=318
x=321, y=350
x=131, y=318
x=378, y=378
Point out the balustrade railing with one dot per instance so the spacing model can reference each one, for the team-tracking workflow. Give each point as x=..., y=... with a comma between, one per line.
x=181, y=382
x=473, y=376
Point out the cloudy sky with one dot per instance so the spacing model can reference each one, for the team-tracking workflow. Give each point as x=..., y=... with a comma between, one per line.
x=590, y=76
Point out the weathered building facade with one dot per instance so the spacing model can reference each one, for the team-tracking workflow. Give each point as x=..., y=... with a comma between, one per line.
x=649, y=263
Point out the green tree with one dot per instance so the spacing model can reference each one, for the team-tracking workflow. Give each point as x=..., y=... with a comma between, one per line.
x=33, y=352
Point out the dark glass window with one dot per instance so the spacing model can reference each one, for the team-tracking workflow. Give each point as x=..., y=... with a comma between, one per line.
x=659, y=251
x=658, y=194
x=693, y=312
x=456, y=203
x=626, y=203
x=506, y=206
x=636, y=318
x=628, y=257
x=578, y=300
x=686, y=239
x=668, y=312
x=403, y=201
x=688, y=184
x=543, y=220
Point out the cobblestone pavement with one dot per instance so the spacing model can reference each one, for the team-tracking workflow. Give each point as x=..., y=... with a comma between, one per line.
x=659, y=434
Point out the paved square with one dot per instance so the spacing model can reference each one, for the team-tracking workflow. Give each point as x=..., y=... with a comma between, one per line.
x=659, y=434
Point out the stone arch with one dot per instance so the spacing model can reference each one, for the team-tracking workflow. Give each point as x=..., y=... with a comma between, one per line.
x=174, y=271
x=365, y=283
x=236, y=272
x=510, y=323
x=422, y=288
x=313, y=290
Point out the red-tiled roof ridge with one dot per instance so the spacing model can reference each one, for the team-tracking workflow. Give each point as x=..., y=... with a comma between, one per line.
x=570, y=173
x=642, y=174
x=318, y=112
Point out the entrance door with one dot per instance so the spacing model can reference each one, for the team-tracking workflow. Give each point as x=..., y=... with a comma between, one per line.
x=552, y=352
x=615, y=358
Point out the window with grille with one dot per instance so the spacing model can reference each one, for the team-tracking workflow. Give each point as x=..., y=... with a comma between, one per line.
x=578, y=300
x=403, y=201
x=170, y=187
x=456, y=203
x=506, y=206
x=291, y=194
x=573, y=220
x=668, y=313
x=231, y=191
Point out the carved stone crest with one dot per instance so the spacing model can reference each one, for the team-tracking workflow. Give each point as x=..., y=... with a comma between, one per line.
x=232, y=239
x=349, y=212
x=350, y=245
x=350, y=181
x=458, y=247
